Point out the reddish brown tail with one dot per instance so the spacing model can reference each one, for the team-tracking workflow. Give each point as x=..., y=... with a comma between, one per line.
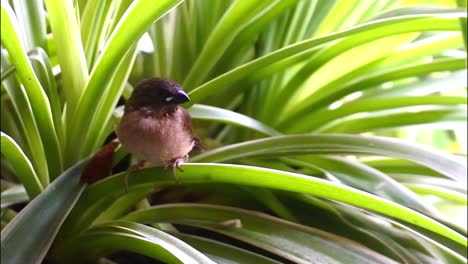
x=100, y=165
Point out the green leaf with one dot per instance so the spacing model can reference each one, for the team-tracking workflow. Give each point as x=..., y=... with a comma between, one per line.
x=392, y=166
x=325, y=117
x=22, y=165
x=291, y=241
x=33, y=22
x=14, y=195
x=120, y=206
x=369, y=31
x=27, y=238
x=462, y=4
x=449, y=185
x=36, y=95
x=340, y=144
x=31, y=141
x=224, y=253
x=93, y=25
x=205, y=112
x=449, y=195
x=254, y=176
x=43, y=68
x=442, y=117
x=234, y=19
x=386, y=236
x=324, y=97
x=360, y=176
x=112, y=236
x=249, y=34
x=97, y=133
x=70, y=53
x=455, y=80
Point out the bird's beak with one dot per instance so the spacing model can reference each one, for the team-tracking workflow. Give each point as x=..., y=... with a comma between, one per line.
x=181, y=97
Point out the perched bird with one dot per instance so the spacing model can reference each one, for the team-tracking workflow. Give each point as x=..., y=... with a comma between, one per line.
x=154, y=127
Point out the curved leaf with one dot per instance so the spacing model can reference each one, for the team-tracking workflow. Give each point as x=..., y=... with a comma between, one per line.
x=427, y=117
x=233, y=20
x=453, y=81
x=324, y=97
x=360, y=176
x=340, y=144
x=96, y=134
x=33, y=22
x=32, y=143
x=391, y=239
x=447, y=194
x=94, y=23
x=36, y=95
x=69, y=48
x=205, y=112
x=268, y=178
x=296, y=243
x=22, y=165
x=224, y=253
x=112, y=236
x=14, y=195
x=43, y=68
x=28, y=135
x=324, y=116
x=400, y=25
x=27, y=238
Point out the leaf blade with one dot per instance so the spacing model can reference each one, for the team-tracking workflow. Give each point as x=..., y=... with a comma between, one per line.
x=340, y=143
x=27, y=238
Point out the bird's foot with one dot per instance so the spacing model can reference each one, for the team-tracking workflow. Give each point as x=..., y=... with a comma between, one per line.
x=132, y=169
x=176, y=166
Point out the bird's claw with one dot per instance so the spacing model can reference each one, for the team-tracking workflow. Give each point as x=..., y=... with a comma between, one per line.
x=176, y=166
x=179, y=162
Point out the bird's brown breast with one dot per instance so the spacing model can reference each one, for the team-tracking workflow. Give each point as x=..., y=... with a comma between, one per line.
x=156, y=138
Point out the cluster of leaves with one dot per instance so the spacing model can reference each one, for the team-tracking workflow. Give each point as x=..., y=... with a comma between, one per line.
x=281, y=92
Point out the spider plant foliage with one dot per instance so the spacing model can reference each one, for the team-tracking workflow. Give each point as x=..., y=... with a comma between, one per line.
x=334, y=131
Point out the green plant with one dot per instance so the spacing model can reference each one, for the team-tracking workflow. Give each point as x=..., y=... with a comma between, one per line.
x=303, y=105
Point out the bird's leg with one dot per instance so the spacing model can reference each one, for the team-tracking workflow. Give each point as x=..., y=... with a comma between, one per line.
x=133, y=168
x=176, y=165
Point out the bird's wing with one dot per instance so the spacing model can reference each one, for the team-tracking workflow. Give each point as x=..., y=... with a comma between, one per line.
x=186, y=121
x=187, y=125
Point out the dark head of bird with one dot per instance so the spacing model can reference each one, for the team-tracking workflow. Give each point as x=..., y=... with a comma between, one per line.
x=157, y=94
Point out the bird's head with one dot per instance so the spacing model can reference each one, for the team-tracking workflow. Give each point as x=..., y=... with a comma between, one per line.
x=157, y=93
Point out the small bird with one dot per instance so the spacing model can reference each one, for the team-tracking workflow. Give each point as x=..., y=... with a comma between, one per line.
x=154, y=127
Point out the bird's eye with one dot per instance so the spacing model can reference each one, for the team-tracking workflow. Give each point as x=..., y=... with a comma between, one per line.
x=168, y=99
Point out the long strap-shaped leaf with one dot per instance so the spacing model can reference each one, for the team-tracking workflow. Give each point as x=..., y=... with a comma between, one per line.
x=295, y=242
x=224, y=253
x=205, y=112
x=442, y=20
x=36, y=95
x=254, y=176
x=232, y=22
x=340, y=144
x=27, y=238
x=22, y=165
x=325, y=116
x=70, y=53
x=29, y=133
x=135, y=237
